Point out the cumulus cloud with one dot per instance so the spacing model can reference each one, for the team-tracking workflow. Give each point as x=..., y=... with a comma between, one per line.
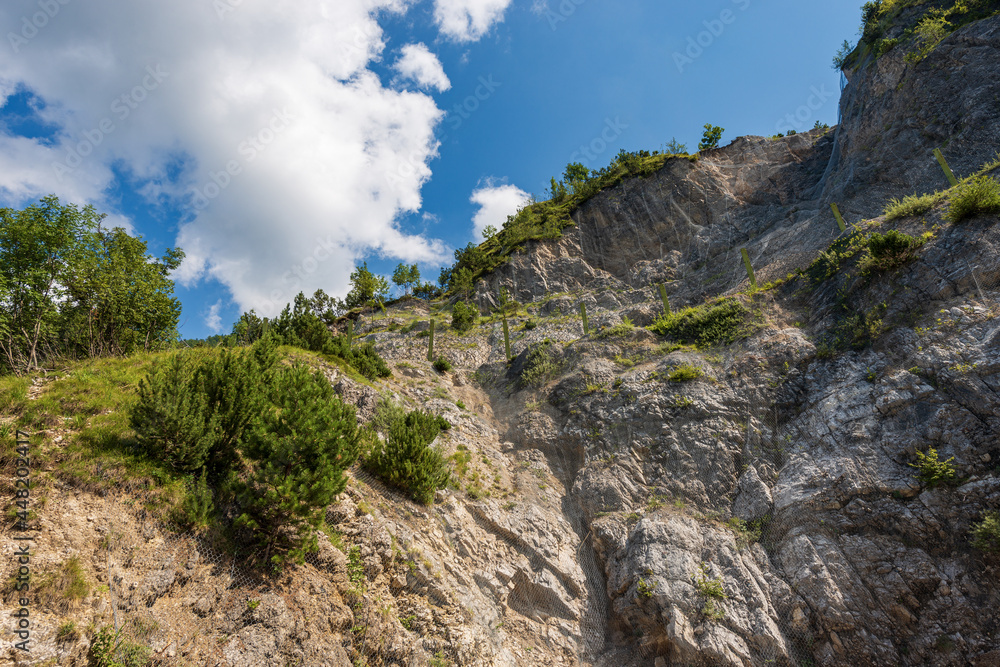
x=468, y=20
x=495, y=203
x=263, y=120
x=213, y=318
x=418, y=64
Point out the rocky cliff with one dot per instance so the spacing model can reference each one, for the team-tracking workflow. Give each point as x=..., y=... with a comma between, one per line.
x=750, y=497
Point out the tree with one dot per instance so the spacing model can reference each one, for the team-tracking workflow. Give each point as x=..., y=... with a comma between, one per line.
x=406, y=459
x=575, y=176
x=710, y=139
x=464, y=316
x=299, y=451
x=840, y=59
x=461, y=282
x=406, y=276
x=70, y=287
x=367, y=289
x=675, y=148
x=489, y=232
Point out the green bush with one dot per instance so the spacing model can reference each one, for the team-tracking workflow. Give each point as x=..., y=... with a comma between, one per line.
x=685, y=373
x=464, y=316
x=975, y=196
x=986, y=533
x=531, y=324
x=196, y=508
x=442, y=365
x=911, y=206
x=710, y=138
x=888, y=251
x=110, y=649
x=298, y=451
x=540, y=365
x=932, y=472
x=407, y=461
x=718, y=322
x=194, y=414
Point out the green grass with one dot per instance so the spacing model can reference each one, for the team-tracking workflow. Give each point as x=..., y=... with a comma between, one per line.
x=721, y=321
x=624, y=328
x=911, y=205
x=977, y=195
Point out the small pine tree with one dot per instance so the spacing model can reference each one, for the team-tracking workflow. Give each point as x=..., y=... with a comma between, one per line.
x=464, y=316
x=710, y=139
x=196, y=507
x=407, y=461
x=299, y=451
x=173, y=420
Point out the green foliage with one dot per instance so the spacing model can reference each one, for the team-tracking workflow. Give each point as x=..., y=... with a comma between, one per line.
x=885, y=252
x=646, y=588
x=367, y=289
x=717, y=322
x=932, y=472
x=974, y=196
x=70, y=288
x=407, y=461
x=685, y=373
x=442, y=365
x=674, y=147
x=194, y=413
x=986, y=533
x=540, y=366
x=711, y=590
x=67, y=632
x=624, y=328
x=840, y=59
x=929, y=33
x=711, y=137
x=299, y=326
x=406, y=277
x=196, y=508
x=299, y=451
x=911, y=206
x=111, y=649
x=464, y=316
x=531, y=324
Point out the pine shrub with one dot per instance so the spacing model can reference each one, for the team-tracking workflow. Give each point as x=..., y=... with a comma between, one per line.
x=464, y=317
x=986, y=533
x=407, y=461
x=299, y=451
x=196, y=508
x=975, y=196
x=722, y=321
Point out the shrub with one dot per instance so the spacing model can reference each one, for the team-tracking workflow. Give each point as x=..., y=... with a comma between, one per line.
x=193, y=415
x=442, y=365
x=67, y=632
x=196, y=508
x=299, y=451
x=889, y=251
x=530, y=324
x=722, y=321
x=111, y=649
x=540, y=365
x=986, y=533
x=685, y=373
x=464, y=317
x=911, y=206
x=712, y=591
x=975, y=196
x=407, y=461
x=933, y=472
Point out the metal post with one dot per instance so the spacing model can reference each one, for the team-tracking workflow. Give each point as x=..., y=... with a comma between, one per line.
x=663, y=297
x=430, y=348
x=746, y=261
x=945, y=168
x=583, y=311
x=840, y=218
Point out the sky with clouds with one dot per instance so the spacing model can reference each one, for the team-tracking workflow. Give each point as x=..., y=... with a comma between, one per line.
x=281, y=142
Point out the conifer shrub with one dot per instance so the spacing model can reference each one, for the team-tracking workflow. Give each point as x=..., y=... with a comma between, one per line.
x=540, y=365
x=298, y=452
x=442, y=365
x=196, y=508
x=713, y=323
x=407, y=461
x=464, y=317
x=192, y=415
x=888, y=251
x=986, y=533
x=932, y=472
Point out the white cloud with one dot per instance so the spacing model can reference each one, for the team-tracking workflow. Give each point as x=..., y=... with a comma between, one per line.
x=495, y=203
x=468, y=20
x=418, y=64
x=213, y=319
x=266, y=113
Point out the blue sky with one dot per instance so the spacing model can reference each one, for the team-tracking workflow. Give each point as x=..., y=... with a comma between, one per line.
x=280, y=144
